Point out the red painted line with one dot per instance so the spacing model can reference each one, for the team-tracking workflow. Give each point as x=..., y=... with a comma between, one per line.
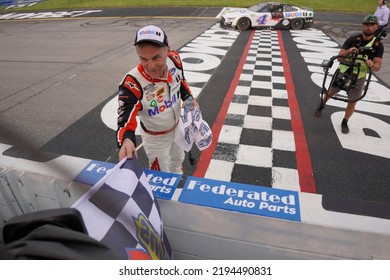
x=304, y=166
x=206, y=156
x=305, y=172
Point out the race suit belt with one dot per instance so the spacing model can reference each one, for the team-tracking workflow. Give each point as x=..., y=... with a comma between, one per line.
x=158, y=132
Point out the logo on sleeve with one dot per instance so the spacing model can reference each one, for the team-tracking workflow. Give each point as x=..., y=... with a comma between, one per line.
x=132, y=86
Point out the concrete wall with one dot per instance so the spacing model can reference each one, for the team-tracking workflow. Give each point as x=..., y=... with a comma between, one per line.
x=197, y=232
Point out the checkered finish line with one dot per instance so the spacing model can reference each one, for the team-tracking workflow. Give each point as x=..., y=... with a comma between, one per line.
x=256, y=138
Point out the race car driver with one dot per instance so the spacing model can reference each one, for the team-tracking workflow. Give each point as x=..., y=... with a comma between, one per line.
x=154, y=90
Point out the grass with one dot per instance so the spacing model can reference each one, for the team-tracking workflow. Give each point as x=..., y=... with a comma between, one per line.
x=359, y=6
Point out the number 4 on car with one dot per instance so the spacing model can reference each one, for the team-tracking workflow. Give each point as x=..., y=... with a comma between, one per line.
x=267, y=14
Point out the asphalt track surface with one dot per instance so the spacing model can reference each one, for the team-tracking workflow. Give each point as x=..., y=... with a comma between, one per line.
x=57, y=75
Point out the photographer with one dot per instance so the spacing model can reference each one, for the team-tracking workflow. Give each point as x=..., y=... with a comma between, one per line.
x=373, y=60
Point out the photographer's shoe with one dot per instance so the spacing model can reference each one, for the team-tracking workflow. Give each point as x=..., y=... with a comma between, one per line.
x=344, y=126
x=319, y=109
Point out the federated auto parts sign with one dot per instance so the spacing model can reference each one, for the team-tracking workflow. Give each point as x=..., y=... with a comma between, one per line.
x=257, y=200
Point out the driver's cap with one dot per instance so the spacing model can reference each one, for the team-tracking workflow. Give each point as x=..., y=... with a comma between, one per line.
x=370, y=19
x=152, y=34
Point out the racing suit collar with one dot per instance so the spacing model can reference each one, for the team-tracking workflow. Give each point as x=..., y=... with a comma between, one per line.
x=147, y=76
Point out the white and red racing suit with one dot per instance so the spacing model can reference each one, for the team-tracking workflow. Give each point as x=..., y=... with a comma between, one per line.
x=158, y=104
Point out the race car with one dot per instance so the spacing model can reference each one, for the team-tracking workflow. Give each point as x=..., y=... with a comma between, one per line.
x=267, y=14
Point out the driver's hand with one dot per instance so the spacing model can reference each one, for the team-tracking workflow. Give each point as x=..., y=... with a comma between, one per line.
x=127, y=149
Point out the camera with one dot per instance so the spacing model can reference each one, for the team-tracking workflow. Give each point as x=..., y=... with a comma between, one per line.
x=381, y=33
x=345, y=81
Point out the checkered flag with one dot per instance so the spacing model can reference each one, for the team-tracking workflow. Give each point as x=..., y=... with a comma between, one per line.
x=122, y=212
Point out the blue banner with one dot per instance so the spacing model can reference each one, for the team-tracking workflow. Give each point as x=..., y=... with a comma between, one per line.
x=275, y=203
x=163, y=184
x=93, y=172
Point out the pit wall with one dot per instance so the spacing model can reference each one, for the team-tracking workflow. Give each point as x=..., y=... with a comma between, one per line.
x=206, y=231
